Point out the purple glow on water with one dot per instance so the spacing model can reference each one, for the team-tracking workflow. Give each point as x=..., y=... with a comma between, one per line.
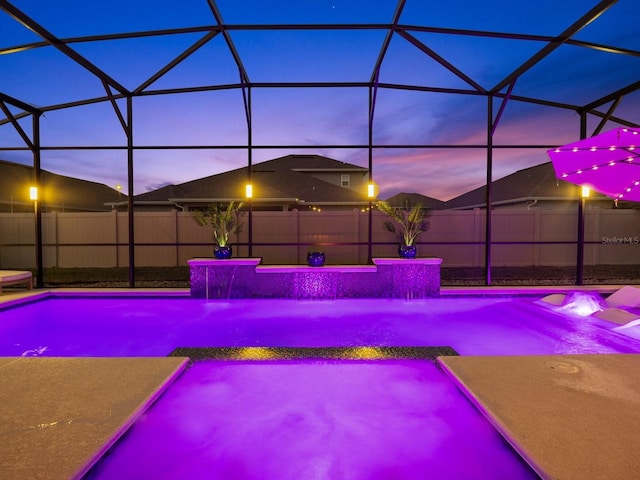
x=395, y=419
x=152, y=327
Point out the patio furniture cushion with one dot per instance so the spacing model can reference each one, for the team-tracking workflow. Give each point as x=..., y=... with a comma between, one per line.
x=625, y=297
x=15, y=277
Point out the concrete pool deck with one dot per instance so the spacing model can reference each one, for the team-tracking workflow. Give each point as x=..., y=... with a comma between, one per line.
x=60, y=415
x=569, y=416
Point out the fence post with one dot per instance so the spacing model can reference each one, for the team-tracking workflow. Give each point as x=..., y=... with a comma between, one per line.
x=536, y=236
x=176, y=233
x=595, y=234
x=295, y=218
x=54, y=235
x=477, y=236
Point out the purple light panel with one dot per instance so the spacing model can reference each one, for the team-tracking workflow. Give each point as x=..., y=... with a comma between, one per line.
x=608, y=163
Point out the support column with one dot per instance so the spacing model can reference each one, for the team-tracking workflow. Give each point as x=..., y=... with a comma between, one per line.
x=37, y=204
x=132, y=278
x=581, y=205
x=489, y=191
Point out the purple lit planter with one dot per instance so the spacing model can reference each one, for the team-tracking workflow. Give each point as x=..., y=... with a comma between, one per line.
x=315, y=259
x=222, y=252
x=245, y=278
x=407, y=251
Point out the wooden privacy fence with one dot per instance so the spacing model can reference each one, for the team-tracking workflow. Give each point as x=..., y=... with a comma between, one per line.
x=520, y=237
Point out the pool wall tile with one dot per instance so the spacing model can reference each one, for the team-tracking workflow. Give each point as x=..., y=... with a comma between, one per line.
x=391, y=278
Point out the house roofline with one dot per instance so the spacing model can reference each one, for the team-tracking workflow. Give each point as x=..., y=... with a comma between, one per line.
x=526, y=199
x=349, y=169
x=225, y=200
x=363, y=202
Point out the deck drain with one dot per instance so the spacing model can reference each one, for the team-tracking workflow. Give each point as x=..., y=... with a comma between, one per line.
x=562, y=367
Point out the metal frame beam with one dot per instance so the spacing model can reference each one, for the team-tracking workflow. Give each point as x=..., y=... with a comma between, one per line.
x=115, y=91
x=578, y=25
x=54, y=41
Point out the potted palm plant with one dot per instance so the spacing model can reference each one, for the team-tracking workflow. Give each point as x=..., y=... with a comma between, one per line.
x=224, y=221
x=408, y=223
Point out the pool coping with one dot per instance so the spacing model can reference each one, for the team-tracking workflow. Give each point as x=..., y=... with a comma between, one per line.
x=15, y=298
x=88, y=404
x=557, y=411
x=371, y=352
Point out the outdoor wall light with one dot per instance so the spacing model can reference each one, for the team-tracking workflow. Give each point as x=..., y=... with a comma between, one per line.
x=33, y=194
x=371, y=190
x=248, y=190
x=586, y=191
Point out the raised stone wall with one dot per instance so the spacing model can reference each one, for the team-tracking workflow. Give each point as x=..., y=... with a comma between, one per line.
x=245, y=278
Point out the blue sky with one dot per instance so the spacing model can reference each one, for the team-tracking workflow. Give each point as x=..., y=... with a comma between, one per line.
x=313, y=117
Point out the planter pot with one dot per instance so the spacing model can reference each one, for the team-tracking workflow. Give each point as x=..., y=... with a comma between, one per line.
x=407, y=251
x=222, y=253
x=315, y=259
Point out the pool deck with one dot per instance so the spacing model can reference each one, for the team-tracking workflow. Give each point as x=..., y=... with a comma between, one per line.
x=60, y=415
x=569, y=416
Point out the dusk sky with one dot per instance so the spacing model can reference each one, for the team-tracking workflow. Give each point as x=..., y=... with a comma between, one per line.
x=313, y=117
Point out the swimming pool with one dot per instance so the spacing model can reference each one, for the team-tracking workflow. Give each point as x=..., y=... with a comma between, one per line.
x=125, y=326
x=322, y=418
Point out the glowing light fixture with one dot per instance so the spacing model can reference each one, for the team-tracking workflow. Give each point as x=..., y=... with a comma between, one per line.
x=255, y=353
x=33, y=194
x=371, y=190
x=586, y=191
x=248, y=190
x=366, y=352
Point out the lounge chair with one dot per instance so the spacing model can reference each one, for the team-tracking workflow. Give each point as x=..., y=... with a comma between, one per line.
x=625, y=297
x=15, y=277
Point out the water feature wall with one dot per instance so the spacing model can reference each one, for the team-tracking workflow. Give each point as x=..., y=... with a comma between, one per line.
x=245, y=278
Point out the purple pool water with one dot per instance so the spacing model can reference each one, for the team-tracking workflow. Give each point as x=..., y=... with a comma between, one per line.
x=291, y=420
x=324, y=419
x=156, y=326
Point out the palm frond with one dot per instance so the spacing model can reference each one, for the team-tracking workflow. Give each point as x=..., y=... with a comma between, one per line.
x=412, y=220
x=223, y=219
